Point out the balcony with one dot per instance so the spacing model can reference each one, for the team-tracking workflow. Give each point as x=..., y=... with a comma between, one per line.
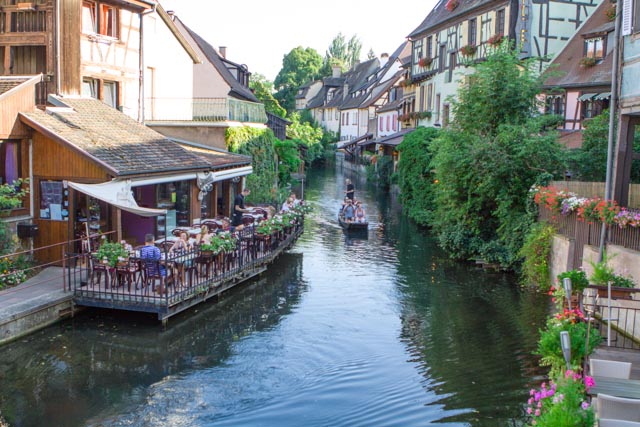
x=203, y=110
x=25, y=23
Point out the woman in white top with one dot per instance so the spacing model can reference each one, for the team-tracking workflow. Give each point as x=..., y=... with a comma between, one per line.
x=287, y=205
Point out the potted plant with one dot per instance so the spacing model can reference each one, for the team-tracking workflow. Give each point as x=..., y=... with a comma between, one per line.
x=111, y=253
x=425, y=62
x=588, y=61
x=495, y=39
x=468, y=50
x=451, y=5
x=603, y=274
x=220, y=243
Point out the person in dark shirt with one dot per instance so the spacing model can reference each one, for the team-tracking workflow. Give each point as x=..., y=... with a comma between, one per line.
x=350, y=191
x=238, y=207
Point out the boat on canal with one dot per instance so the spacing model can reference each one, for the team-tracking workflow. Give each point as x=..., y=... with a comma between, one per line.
x=352, y=226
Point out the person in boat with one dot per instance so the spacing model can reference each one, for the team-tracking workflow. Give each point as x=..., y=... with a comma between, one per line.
x=350, y=191
x=349, y=212
x=344, y=204
x=360, y=214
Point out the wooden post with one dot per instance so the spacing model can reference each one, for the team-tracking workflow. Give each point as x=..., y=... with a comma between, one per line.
x=624, y=158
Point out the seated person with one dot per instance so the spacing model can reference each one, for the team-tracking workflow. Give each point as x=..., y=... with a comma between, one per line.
x=296, y=201
x=287, y=205
x=204, y=236
x=344, y=204
x=182, y=244
x=360, y=214
x=150, y=254
x=349, y=212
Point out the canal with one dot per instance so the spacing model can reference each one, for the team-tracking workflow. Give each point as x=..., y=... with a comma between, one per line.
x=375, y=330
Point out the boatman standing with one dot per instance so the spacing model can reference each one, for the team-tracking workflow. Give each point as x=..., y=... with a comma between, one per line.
x=350, y=191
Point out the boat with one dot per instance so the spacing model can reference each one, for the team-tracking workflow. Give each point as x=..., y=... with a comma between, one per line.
x=352, y=226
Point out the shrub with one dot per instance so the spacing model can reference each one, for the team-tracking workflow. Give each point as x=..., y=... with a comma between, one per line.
x=578, y=278
x=535, y=251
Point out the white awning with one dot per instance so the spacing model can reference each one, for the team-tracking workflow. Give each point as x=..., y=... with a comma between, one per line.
x=605, y=95
x=217, y=176
x=586, y=96
x=118, y=194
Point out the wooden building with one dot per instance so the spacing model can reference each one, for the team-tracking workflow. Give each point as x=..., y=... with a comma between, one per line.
x=130, y=163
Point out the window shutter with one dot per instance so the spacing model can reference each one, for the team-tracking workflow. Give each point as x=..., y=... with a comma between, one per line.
x=627, y=15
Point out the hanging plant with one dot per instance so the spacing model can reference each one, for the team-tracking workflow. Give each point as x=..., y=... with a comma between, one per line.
x=451, y=5
x=468, y=50
x=611, y=12
x=495, y=40
x=425, y=62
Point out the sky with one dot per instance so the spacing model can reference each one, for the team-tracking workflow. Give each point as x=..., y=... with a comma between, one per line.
x=259, y=33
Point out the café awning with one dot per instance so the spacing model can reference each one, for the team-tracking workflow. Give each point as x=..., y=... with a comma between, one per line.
x=118, y=194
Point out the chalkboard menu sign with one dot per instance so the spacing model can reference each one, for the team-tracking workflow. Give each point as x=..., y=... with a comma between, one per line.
x=54, y=200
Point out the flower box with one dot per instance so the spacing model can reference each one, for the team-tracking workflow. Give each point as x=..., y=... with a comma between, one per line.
x=425, y=62
x=451, y=5
x=468, y=50
x=617, y=292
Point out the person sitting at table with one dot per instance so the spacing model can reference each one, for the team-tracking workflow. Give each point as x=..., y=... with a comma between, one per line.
x=182, y=244
x=204, y=236
x=296, y=201
x=150, y=255
x=287, y=205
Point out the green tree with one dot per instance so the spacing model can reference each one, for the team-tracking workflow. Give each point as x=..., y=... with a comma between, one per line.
x=263, y=90
x=415, y=177
x=289, y=159
x=299, y=66
x=342, y=53
x=307, y=136
x=488, y=159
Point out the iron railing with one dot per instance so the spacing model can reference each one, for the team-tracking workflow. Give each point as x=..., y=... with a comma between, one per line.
x=617, y=318
x=189, y=277
x=204, y=110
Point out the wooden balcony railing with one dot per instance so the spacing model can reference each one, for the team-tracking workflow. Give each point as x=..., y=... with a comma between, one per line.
x=25, y=17
x=204, y=110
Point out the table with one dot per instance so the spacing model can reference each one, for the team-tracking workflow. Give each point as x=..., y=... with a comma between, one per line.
x=616, y=387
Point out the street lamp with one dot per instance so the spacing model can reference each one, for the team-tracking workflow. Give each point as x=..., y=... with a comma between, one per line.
x=566, y=283
x=565, y=343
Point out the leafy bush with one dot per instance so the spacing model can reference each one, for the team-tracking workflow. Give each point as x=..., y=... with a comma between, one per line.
x=289, y=157
x=223, y=242
x=603, y=273
x=260, y=145
x=535, y=252
x=112, y=253
x=549, y=346
x=578, y=278
x=562, y=404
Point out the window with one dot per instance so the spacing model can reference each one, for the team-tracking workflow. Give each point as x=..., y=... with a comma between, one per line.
x=422, y=90
x=437, y=107
x=452, y=65
x=394, y=122
x=337, y=115
x=594, y=48
x=54, y=201
x=554, y=105
x=430, y=47
x=98, y=18
x=10, y=162
x=104, y=90
x=445, y=114
x=500, y=22
x=443, y=57
x=429, y=96
x=110, y=93
x=388, y=123
x=417, y=51
x=90, y=88
x=473, y=30
x=380, y=125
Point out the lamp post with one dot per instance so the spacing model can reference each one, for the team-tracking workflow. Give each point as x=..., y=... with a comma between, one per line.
x=566, y=283
x=565, y=343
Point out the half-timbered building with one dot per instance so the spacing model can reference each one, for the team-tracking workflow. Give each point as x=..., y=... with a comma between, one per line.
x=458, y=32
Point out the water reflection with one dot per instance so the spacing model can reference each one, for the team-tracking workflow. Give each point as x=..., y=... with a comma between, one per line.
x=101, y=362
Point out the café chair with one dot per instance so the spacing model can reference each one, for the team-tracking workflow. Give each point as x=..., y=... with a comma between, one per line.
x=609, y=368
x=617, y=408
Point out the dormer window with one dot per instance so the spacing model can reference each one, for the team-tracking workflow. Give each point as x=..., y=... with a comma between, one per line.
x=594, y=48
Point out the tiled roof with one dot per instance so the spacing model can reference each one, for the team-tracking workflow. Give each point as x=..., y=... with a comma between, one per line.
x=439, y=14
x=392, y=140
x=112, y=138
x=7, y=83
x=390, y=106
x=565, y=69
x=218, y=159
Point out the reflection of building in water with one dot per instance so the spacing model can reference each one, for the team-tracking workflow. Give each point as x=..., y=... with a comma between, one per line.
x=119, y=355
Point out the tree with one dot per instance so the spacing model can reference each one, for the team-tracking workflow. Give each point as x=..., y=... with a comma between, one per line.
x=299, y=66
x=308, y=136
x=341, y=53
x=496, y=148
x=263, y=90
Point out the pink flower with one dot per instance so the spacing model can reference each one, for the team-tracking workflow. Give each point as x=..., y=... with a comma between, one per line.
x=585, y=405
x=589, y=382
x=529, y=411
x=537, y=413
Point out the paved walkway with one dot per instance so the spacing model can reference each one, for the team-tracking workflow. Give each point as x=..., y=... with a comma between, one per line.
x=46, y=288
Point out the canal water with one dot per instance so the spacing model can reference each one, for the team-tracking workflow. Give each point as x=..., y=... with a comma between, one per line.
x=373, y=330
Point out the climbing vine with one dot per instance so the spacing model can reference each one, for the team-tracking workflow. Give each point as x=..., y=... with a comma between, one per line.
x=260, y=145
